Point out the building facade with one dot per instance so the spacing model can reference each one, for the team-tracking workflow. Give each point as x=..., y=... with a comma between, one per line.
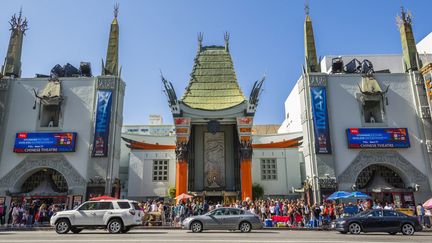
x=60, y=133
x=365, y=122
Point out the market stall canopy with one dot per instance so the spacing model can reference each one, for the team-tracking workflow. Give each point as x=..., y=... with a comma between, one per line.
x=338, y=195
x=183, y=196
x=51, y=93
x=428, y=204
x=359, y=195
x=100, y=198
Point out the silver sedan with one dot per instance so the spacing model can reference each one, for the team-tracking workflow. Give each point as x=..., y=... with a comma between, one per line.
x=223, y=219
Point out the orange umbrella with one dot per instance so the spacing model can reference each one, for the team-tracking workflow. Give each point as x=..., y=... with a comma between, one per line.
x=183, y=196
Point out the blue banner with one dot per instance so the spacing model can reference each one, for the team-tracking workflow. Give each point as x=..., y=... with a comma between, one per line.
x=102, y=126
x=45, y=142
x=359, y=138
x=320, y=120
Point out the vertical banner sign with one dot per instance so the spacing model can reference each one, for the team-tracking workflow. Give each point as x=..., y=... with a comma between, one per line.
x=320, y=120
x=103, y=117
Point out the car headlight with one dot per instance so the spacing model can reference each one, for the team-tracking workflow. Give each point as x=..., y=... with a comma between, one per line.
x=342, y=222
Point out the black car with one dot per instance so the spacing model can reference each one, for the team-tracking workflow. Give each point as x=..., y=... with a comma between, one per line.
x=378, y=220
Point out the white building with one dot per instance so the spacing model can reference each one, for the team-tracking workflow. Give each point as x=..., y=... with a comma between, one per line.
x=60, y=135
x=364, y=128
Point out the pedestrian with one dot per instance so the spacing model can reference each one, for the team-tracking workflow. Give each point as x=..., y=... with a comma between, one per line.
x=420, y=213
x=3, y=213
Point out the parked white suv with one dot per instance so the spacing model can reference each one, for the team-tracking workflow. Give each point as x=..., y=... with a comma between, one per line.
x=118, y=216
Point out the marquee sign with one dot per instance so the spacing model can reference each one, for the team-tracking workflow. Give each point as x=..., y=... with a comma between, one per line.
x=320, y=120
x=360, y=138
x=102, y=126
x=45, y=142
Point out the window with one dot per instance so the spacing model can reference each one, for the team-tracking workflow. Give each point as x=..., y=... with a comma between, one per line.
x=160, y=170
x=89, y=206
x=123, y=205
x=372, y=111
x=234, y=212
x=218, y=212
x=50, y=116
x=105, y=206
x=268, y=169
x=388, y=213
x=377, y=213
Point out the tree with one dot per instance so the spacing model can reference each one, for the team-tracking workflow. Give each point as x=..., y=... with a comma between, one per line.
x=257, y=191
x=171, y=192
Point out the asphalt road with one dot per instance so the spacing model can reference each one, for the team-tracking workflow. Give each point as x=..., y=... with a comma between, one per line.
x=208, y=237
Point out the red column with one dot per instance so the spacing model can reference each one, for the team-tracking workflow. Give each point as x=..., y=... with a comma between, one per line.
x=181, y=177
x=246, y=178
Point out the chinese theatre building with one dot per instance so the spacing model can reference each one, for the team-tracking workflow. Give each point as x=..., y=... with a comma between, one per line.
x=60, y=133
x=366, y=123
x=210, y=155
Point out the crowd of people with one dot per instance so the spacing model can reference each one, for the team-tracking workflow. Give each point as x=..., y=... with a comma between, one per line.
x=27, y=214
x=291, y=213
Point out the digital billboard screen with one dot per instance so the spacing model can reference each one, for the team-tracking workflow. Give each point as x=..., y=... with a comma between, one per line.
x=26, y=142
x=359, y=138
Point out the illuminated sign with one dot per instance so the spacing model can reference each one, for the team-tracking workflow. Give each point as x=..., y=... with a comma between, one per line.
x=102, y=126
x=359, y=138
x=45, y=142
x=320, y=120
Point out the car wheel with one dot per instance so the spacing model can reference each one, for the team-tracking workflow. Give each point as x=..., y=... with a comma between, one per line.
x=392, y=233
x=245, y=227
x=76, y=231
x=115, y=226
x=126, y=229
x=408, y=229
x=62, y=226
x=196, y=227
x=354, y=228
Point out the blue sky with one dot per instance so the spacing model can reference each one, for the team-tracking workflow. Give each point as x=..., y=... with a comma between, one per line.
x=266, y=37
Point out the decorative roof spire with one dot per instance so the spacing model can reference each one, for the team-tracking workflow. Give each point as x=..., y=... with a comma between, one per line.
x=200, y=40
x=309, y=44
x=409, y=49
x=12, y=64
x=111, y=65
x=226, y=38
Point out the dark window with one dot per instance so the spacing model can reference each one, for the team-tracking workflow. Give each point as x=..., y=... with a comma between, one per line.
x=135, y=205
x=377, y=213
x=390, y=213
x=124, y=205
x=234, y=212
x=89, y=206
x=372, y=111
x=105, y=205
x=50, y=116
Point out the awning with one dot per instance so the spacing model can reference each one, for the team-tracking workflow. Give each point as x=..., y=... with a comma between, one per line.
x=51, y=93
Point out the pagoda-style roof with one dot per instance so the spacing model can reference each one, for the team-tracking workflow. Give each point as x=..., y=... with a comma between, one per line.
x=213, y=83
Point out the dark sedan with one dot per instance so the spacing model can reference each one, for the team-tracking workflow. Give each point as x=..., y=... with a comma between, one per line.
x=378, y=220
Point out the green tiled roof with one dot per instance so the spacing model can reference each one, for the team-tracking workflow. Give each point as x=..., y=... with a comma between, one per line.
x=213, y=84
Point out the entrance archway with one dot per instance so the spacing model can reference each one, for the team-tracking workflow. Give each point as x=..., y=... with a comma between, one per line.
x=379, y=177
x=47, y=179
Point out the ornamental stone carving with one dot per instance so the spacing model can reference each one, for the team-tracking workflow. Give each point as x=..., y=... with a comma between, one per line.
x=425, y=112
x=317, y=80
x=4, y=84
x=246, y=150
x=392, y=159
x=106, y=83
x=32, y=163
x=181, y=151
